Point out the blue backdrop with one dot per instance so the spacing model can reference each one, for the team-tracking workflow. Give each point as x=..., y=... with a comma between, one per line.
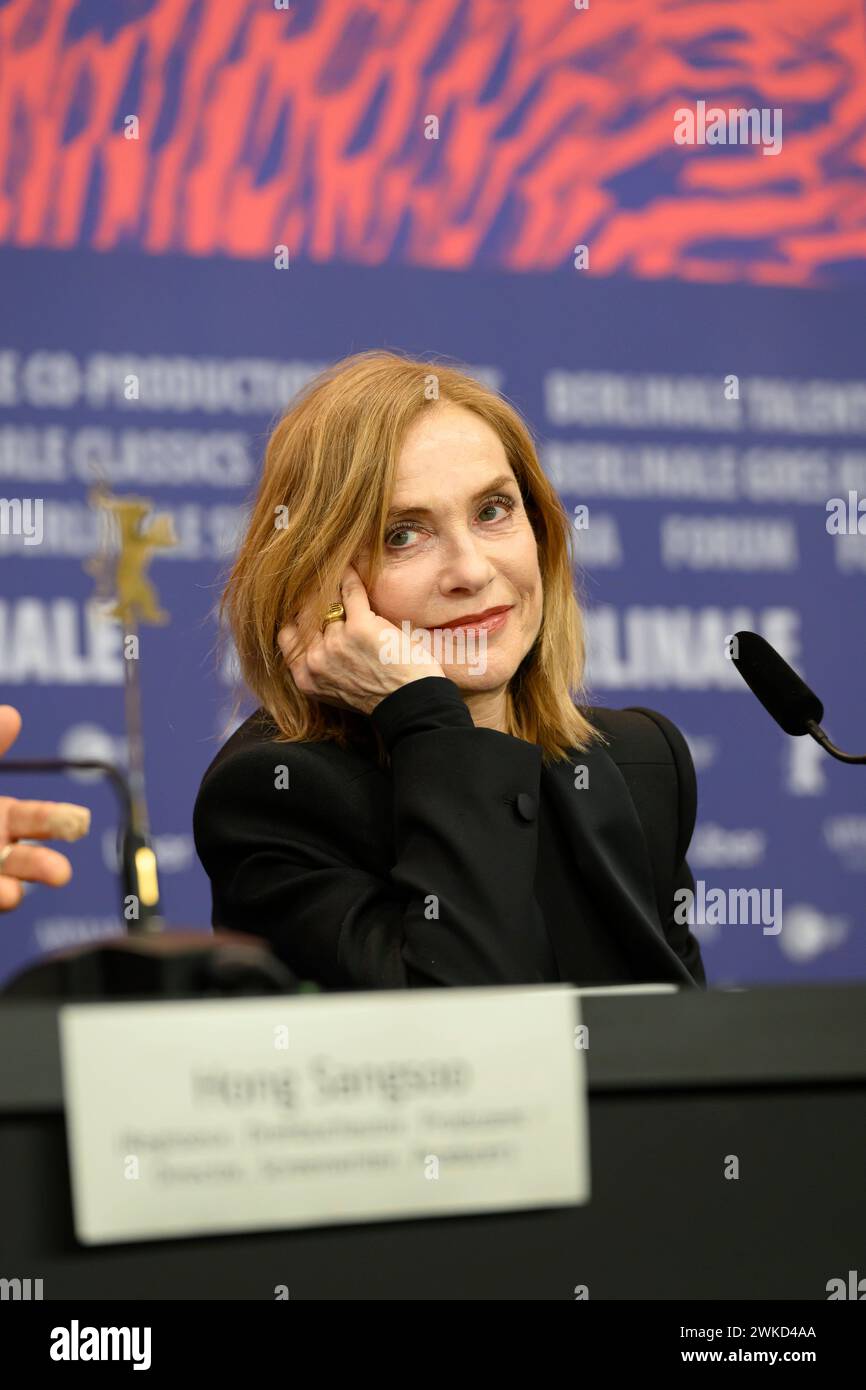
x=704, y=427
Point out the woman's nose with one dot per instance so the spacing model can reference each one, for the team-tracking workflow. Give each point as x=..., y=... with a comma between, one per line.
x=465, y=558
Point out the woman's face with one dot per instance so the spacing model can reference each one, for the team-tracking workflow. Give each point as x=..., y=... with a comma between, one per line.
x=454, y=548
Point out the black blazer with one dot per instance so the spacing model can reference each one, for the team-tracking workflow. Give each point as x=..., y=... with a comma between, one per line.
x=426, y=873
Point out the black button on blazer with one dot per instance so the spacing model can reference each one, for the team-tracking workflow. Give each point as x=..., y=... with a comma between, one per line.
x=465, y=862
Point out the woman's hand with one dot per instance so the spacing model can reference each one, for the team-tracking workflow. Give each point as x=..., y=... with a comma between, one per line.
x=33, y=820
x=345, y=665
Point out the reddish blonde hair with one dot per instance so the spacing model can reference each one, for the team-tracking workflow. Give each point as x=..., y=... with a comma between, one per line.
x=329, y=474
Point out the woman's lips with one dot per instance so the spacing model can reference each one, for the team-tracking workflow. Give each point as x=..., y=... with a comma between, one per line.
x=491, y=624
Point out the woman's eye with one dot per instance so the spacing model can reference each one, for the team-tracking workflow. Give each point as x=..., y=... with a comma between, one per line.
x=494, y=502
x=403, y=531
x=406, y=528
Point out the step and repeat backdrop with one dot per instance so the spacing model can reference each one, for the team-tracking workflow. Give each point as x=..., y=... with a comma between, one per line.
x=217, y=200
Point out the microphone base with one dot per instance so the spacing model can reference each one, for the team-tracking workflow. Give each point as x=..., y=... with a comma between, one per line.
x=174, y=965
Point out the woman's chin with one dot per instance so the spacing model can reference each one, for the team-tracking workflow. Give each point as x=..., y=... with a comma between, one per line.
x=470, y=677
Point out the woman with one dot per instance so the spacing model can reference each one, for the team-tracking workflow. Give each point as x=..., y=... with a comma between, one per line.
x=417, y=803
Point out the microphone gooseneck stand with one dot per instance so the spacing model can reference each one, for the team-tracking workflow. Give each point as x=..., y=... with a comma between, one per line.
x=147, y=961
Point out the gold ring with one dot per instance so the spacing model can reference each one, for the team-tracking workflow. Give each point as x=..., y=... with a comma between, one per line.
x=335, y=614
x=5, y=853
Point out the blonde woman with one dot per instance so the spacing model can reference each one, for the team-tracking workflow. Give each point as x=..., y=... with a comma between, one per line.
x=420, y=798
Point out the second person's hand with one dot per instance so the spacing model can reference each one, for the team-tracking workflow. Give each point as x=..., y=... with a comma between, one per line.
x=20, y=821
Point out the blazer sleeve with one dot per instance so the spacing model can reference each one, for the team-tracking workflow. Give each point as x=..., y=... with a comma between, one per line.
x=678, y=934
x=457, y=906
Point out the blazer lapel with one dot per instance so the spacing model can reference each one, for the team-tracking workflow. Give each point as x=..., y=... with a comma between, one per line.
x=611, y=855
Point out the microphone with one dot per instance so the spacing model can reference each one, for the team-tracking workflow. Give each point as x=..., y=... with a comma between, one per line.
x=148, y=962
x=138, y=869
x=784, y=695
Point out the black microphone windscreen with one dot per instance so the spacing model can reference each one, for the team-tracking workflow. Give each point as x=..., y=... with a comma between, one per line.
x=778, y=687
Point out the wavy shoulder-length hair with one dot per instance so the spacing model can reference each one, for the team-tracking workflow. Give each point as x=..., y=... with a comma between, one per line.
x=329, y=474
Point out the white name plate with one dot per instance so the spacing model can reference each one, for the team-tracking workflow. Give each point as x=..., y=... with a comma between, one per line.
x=194, y=1118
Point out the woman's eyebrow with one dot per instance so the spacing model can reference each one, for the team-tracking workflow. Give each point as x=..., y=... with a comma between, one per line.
x=500, y=482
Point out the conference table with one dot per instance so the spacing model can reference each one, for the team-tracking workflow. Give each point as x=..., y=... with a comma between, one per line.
x=677, y=1084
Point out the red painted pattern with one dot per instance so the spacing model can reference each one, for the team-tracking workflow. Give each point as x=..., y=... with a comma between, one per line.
x=261, y=127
